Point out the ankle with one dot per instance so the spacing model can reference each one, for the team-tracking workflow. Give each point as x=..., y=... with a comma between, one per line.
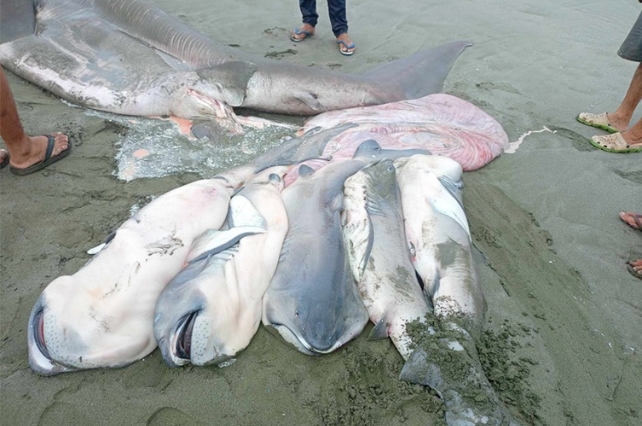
x=621, y=120
x=632, y=137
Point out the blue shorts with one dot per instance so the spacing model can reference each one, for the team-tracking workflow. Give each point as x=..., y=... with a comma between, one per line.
x=631, y=49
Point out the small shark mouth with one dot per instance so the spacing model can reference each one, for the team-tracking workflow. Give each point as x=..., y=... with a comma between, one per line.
x=293, y=339
x=39, y=333
x=184, y=330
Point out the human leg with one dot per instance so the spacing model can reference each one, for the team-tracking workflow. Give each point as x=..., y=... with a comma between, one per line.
x=309, y=18
x=618, y=121
x=337, y=12
x=25, y=151
x=622, y=115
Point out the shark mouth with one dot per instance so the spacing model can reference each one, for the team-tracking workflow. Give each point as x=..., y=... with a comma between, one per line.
x=300, y=343
x=183, y=340
x=38, y=328
x=40, y=359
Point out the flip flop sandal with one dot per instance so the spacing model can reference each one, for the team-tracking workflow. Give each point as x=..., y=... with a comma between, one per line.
x=297, y=31
x=600, y=121
x=613, y=143
x=347, y=46
x=49, y=159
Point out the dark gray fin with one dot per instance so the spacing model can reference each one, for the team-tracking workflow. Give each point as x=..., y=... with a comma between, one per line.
x=218, y=241
x=371, y=150
x=233, y=76
x=296, y=150
x=420, y=74
x=17, y=19
x=368, y=150
x=274, y=179
x=454, y=188
x=458, y=379
x=310, y=100
x=379, y=331
x=110, y=237
x=305, y=170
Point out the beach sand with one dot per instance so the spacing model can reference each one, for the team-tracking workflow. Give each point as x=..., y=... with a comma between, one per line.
x=564, y=316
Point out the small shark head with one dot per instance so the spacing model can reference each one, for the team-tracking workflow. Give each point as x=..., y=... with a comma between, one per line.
x=184, y=322
x=226, y=82
x=68, y=332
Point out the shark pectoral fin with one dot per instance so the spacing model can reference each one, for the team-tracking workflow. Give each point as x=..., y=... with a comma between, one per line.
x=231, y=78
x=310, y=100
x=379, y=331
x=101, y=247
x=243, y=213
x=454, y=188
x=305, y=170
x=213, y=241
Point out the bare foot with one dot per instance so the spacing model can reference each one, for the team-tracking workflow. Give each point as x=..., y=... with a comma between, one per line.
x=346, y=46
x=305, y=30
x=634, y=220
x=34, y=148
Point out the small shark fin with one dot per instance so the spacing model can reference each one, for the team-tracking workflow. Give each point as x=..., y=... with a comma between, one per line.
x=379, y=331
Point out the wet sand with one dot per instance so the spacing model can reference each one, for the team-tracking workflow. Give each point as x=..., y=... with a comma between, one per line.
x=564, y=316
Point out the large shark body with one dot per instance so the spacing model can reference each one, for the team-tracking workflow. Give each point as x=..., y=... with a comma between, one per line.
x=128, y=57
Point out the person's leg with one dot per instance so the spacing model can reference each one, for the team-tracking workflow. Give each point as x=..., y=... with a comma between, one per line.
x=622, y=115
x=24, y=150
x=337, y=11
x=309, y=19
x=618, y=121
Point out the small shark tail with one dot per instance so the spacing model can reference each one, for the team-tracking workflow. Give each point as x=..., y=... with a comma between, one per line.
x=467, y=395
x=423, y=73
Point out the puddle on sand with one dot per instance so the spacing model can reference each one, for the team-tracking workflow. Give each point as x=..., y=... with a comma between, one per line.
x=151, y=148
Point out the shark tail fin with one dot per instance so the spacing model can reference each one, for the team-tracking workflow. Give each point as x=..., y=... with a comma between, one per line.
x=424, y=72
x=468, y=396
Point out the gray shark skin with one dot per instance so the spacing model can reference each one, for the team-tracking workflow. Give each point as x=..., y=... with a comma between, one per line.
x=128, y=57
x=437, y=230
x=379, y=255
x=312, y=300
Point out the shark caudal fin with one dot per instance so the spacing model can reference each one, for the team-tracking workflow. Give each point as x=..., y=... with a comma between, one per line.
x=457, y=377
x=17, y=19
x=424, y=72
